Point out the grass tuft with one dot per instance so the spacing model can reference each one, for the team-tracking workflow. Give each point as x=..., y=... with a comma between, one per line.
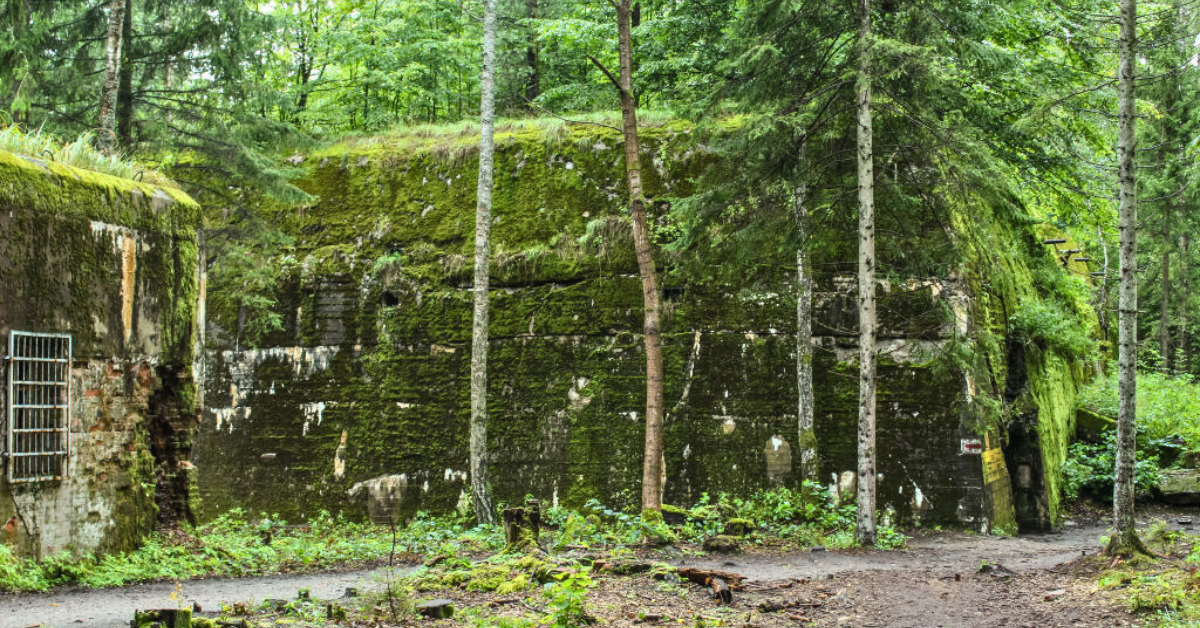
x=79, y=153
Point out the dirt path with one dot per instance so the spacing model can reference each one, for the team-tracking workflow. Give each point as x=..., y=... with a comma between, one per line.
x=113, y=608
x=936, y=582
x=947, y=553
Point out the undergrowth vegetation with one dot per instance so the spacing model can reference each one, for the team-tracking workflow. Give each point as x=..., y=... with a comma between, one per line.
x=1167, y=406
x=237, y=544
x=1165, y=589
x=1167, y=433
x=1088, y=470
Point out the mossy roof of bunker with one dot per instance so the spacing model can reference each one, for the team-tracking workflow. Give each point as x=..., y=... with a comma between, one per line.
x=58, y=189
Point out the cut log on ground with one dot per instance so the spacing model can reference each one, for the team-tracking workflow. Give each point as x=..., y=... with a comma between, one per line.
x=702, y=576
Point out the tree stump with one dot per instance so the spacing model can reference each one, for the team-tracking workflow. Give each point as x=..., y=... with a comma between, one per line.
x=436, y=609
x=522, y=525
x=163, y=618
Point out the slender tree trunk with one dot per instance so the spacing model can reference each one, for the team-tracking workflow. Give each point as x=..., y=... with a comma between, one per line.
x=1102, y=311
x=1185, y=298
x=652, y=469
x=1164, y=321
x=865, y=527
x=19, y=22
x=533, y=83
x=1183, y=336
x=125, y=83
x=806, y=436
x=481, y=493
x=865, y=532
x=106, y=139
x=169, y=60
x=1125, y=539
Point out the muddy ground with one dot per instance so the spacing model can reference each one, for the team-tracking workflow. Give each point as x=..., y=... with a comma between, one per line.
x=1028, y=581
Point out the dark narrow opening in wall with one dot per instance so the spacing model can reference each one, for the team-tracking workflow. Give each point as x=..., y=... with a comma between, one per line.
x=1023, y=456
x=673, y=292
x=170, y=424
x=1023, y=452
x=1018, y=375
x=390, y=299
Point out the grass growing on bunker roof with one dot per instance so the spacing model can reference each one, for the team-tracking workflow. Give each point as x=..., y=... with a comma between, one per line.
x=79, y=153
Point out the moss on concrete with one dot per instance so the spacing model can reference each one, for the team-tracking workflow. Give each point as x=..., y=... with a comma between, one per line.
x=382, y=279
x=114, y=263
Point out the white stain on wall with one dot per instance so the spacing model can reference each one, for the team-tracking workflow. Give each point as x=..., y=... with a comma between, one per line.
x=313, y=412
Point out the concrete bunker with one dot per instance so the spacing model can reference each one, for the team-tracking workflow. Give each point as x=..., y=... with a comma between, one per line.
x=376, y=330
x=98, y=315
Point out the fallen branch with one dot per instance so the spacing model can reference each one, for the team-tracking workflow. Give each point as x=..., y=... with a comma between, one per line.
x=774, y=606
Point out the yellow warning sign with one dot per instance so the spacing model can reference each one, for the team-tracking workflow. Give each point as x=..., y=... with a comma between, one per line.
x=994, y=468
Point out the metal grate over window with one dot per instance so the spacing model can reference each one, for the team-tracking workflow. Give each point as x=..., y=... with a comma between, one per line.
x=39, y=409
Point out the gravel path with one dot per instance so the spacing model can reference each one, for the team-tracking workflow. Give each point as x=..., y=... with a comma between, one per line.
x=113, y=608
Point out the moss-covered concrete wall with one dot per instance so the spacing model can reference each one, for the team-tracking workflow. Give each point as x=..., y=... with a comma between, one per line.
x=360, y=403
x=113, y=263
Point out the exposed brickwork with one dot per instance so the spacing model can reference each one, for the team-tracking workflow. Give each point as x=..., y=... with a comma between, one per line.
x=113, y=267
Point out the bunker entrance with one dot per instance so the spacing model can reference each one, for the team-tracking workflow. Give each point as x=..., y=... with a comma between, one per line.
x=170, y=424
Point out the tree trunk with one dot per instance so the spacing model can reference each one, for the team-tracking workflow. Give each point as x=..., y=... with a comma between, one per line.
x=1185, y=298
x=652, y=467
x=107, y=138
x=533, y=83
x=1125, y=539
x=806, y=435
x=169, y=61
x=125, y=83
x=19, y=16
x=481, y=493
x=1164, y=321
x=1102, y=311
x=865, y=532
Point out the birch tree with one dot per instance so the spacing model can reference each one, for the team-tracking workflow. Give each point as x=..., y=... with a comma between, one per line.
x=1125, y=539
x=481, y=493
x=107, y=139
x=806, y=436
x=865, y=530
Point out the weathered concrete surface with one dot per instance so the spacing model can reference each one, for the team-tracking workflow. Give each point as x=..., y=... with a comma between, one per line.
x=114, y=263
x=1181, y=487
x=359, y=404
